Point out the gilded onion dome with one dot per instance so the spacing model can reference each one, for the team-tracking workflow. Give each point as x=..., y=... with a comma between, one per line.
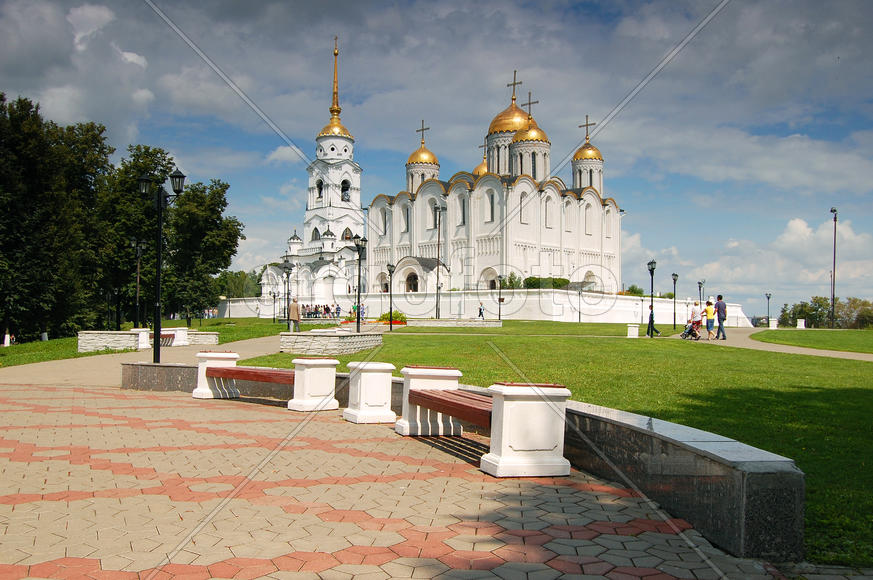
x=335, y=128
x=587, y=151
x=530, y=133
x=511, y=119
x=423, y=155
x=482, y=168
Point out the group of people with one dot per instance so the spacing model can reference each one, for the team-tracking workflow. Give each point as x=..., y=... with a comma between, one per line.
x=320, y=311
x=711, y=313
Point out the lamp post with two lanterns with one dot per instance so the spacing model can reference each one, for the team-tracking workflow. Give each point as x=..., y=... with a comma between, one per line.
x=287, y=267
x=391, y=268
x=675, y=278
x=162, y=198
x=651, y=330
x=768, y=295
x=834, y=270
x=361, y=248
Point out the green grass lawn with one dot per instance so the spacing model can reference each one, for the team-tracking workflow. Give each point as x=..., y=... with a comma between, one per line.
x=845, y=340
x=528, y=327
x=815, y=410
x=40, y=351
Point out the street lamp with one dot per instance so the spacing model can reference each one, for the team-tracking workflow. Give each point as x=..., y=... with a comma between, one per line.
x=500, y=279
x=287, y=268
x=137, y=245
x=273, y=298
x=768, y=295
x=700, y=290
x=439, y=211
x=391, y=268
x=361, y=247
x=834, y=274
x=675, y=277
x=162, y=198
x=651, y=331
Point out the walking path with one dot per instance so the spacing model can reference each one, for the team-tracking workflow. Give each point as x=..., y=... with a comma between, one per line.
x=96, y=482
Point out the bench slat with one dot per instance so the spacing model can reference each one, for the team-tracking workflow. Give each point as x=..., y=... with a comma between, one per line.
x=466, y=406
x=284, y=377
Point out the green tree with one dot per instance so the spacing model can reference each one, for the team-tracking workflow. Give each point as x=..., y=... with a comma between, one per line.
x=634, y=290
x=512, y=282
x=201, y=243
x=238, y=284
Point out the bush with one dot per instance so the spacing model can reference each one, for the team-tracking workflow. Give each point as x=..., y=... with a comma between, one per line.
x=397, y=316
x=537, y=282
x=634, y=290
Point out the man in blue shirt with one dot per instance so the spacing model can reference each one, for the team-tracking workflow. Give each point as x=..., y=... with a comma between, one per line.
x=721, y=315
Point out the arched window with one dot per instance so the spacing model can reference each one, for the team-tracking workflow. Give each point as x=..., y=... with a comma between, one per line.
x=315, y=235
x=435, y=214
x=319, y=188
x=405, y=218
x=533, y=165
x=490, y=206
x=344, y=195
x=568, y=217
x=607, y=220
x=412, y=282
x=588, y=218
x=384, y=213
x=520, y=164
x=462, y=210
x=547, y=212
x=347, y=234
x=590, y=178
x=522, y=208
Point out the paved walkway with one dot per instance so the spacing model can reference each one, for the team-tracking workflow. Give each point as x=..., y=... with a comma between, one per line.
x=96, y=482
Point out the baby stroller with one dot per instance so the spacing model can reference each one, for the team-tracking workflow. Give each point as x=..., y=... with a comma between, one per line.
x=691, y=332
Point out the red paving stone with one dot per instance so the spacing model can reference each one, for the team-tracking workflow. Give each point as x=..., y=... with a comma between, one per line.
x=165, y=450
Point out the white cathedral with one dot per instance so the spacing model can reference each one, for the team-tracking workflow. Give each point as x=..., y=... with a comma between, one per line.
x=510, y=215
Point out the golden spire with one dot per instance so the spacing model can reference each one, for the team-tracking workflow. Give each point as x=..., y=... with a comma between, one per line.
x=335, y=126
x=335, y=109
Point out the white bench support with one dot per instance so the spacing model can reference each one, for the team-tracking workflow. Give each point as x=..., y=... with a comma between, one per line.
x=143, y=340
x=418, y=421
x=527, y=431
x=370, y=393
x=314, y=384
x=633, y=330
x=210, y=388
x=774, y=323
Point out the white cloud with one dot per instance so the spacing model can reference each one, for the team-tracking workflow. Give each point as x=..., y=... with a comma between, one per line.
x=286, y=154
x=131, y=57
x=86, y=21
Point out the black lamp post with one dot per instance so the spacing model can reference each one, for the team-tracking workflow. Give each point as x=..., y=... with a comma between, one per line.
x=439, y=209
x=162, y=198
x=834, y=271
x=675, y=278
x=700, y=291
x=138, y=245
x=361, y=247
x=651, y=265
x=768, y=295
x=273, y=298
x=500, y=279
x=391, y=268
x=287, y=268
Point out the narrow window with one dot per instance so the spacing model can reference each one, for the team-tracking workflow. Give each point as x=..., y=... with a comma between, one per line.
x=463, y=211
x=590, y=178
x=347, y=234
x=405, y=218
x=588, y=219
x=490, y=206
x=522, y=208
x=315, y=235
x=319, y=187
x=345, y=190
x=533, y=165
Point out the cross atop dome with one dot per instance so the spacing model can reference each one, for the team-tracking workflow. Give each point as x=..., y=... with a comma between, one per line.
x=513, y=84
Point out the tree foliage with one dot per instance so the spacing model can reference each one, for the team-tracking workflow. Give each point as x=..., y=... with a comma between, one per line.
x=851, y=313
x=68, y=220
x=537, y=282
x=634, y=290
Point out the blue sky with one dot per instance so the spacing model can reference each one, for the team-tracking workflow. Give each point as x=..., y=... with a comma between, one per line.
x=727, y=162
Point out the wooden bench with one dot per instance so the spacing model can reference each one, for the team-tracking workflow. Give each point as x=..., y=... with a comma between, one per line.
x=463, y=405
x=526, y=421
x=256, y=374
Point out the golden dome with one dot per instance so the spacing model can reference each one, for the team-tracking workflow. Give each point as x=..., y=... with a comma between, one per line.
x=335, y=128
x=423, y=155
x=587, y=151
x=530, y=133
x=511, y=119
x=482, y=168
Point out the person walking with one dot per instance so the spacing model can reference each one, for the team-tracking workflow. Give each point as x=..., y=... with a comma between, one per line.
x=651, y=331
x=721, y=316
x=696, y=319
x=709, y=311
x=481, y=311
x=294, y=314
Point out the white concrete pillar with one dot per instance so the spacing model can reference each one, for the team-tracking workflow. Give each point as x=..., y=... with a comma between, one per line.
x=314, y=384
x=419, y=421
x=214, y=388
x=370, y=393
x=527, y=431
x=633, y=330
x=801, y=323
x=774, y=323
x=142, y=340
x=180, y=337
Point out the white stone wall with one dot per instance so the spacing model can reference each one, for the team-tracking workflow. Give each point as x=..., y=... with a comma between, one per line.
x=205, y=338
x=323, y=344
x=96, y=340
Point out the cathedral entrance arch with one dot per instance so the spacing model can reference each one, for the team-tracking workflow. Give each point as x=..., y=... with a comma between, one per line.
x=322, y=290
x=488, y=279
x=590, y=281
x=412, y=282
